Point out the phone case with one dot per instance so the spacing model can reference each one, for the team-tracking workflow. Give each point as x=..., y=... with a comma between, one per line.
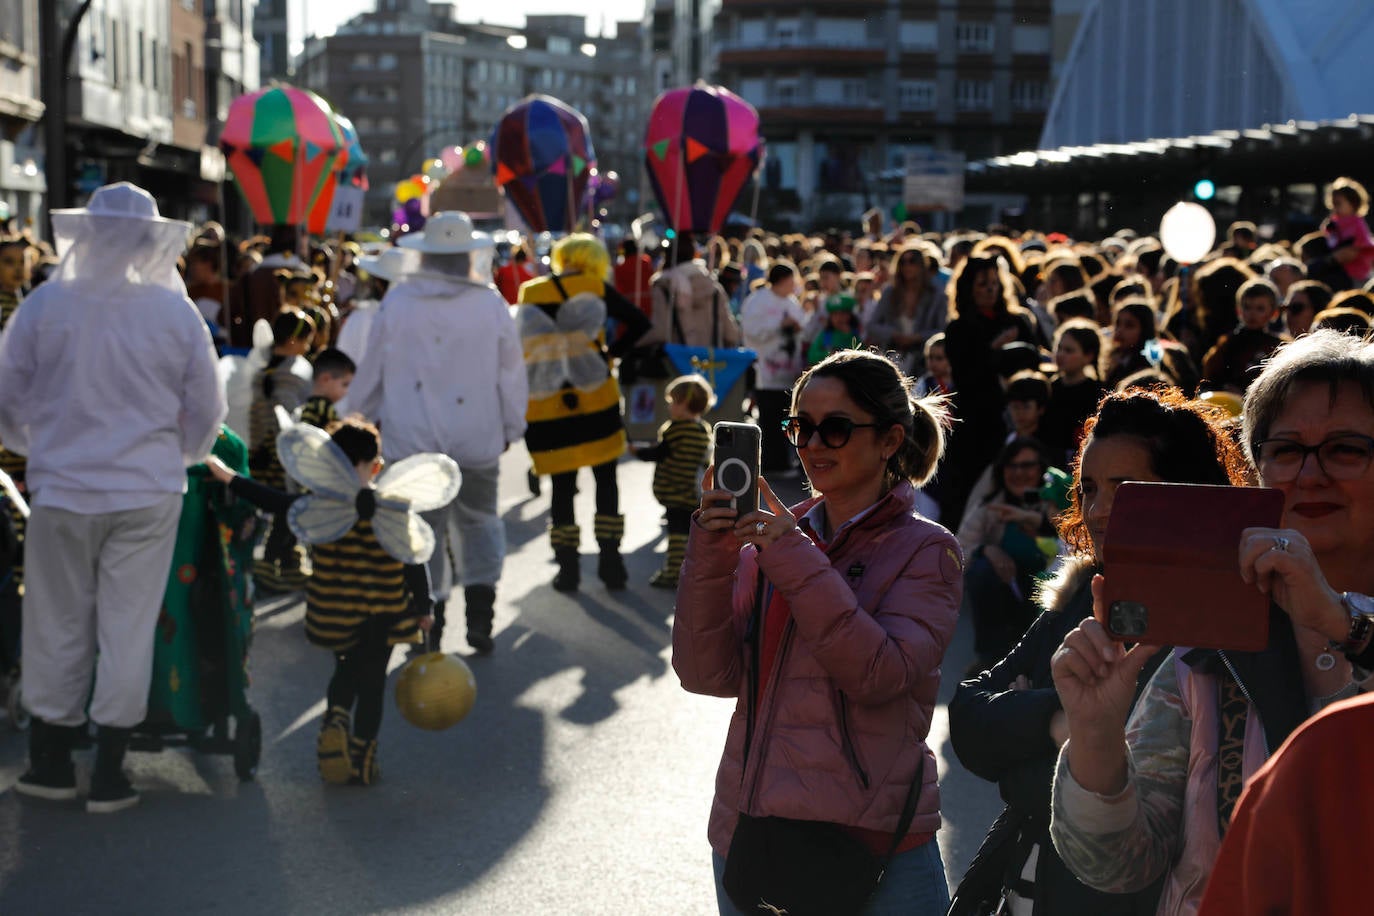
x=1172, y=566
x=737, y=463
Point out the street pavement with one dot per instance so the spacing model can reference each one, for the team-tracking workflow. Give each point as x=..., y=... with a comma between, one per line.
x=580, y=783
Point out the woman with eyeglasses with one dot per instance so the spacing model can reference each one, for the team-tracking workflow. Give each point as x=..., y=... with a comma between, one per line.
x=1000, y=538
x=827, y=622
x=1006, y=724
x=1134, y=800
x=910, y=309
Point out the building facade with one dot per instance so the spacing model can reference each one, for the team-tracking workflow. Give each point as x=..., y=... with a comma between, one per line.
x=846, y=90
x=414, y=80
x=271, y=32
x=22, y=181
x=1170, y=68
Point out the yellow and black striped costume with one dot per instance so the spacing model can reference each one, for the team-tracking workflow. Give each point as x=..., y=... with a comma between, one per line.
x=319, y=411
x=354, y=579
x=681, y=457
x=576, y=428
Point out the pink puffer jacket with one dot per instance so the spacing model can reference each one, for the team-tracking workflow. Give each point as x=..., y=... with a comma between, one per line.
x=844, y=716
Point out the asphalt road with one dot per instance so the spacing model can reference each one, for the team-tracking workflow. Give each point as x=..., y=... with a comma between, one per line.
x=579, y=784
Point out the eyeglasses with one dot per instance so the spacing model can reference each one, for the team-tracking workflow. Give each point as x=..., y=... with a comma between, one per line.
x=835, y=431
x=1340, y=457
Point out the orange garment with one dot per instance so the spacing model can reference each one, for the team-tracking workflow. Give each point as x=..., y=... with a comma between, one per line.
x=1294, y=845
x=509, y=277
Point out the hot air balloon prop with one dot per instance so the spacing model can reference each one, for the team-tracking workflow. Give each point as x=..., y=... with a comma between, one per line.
x=349, y=168
x=283, y=146
x=541, y=154
x=701, y=147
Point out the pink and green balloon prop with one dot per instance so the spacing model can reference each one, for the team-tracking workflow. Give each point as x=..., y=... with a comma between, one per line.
x=541, y=153
x=350, y=167
x=701, y=147
x=283, y=146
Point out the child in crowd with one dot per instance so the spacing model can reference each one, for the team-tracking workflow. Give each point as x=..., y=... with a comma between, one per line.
x=681, y=456
x=1075, y=390
x=1028, y=397
x=1346, y=231
x=359, y=604
x=333, y=373
x=1235, y=359
x=939, y=377
x=284, y=382
x=840, y=331
x=1133, y=326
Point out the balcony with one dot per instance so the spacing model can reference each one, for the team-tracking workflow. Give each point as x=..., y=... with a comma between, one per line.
x=779, y=108
x=749, y=52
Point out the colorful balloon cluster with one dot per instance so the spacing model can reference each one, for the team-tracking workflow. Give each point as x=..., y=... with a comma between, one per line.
x=412, y=194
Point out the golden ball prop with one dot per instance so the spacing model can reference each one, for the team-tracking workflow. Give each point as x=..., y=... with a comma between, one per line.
x=1228, y=401
x=435, y=691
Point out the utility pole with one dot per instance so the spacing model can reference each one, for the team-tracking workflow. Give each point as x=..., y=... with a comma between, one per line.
x=57, y=42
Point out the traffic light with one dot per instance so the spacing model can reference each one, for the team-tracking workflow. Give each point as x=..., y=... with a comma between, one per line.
x=1204, y=189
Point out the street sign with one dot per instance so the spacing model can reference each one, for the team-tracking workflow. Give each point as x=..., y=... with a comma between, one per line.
x=347, y=213
x=934, y=180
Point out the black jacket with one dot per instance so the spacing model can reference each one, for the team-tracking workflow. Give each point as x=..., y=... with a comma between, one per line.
x=1004, y=736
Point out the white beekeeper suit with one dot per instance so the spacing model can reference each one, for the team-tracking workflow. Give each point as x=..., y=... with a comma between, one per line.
x=109, y=382
x=444, y=371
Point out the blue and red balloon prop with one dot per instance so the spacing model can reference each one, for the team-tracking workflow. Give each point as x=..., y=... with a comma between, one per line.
x=541, y=154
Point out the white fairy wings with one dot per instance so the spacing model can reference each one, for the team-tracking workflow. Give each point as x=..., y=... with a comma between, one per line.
x=337, y=500
x=564, y=349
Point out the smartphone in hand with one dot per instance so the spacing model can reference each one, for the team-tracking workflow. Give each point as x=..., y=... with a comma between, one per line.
x=737, y=463
x=1171, y=562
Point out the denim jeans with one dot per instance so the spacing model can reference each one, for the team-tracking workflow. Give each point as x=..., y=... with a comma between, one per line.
x=913, y=885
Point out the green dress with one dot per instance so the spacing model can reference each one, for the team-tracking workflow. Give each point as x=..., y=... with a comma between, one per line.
x=200, y=659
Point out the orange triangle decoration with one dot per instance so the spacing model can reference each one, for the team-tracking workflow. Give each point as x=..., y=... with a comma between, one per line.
x=286, y=149
x=503, y=174
x=696, y=150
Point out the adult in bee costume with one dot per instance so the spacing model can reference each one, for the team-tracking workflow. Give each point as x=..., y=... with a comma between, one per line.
x=574, y=419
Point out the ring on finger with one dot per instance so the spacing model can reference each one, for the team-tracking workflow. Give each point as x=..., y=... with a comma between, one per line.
x=1280, y=543
x=760, y=527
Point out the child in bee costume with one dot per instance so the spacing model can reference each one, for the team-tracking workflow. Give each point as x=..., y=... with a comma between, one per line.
x=370, y=588
x=573, y=420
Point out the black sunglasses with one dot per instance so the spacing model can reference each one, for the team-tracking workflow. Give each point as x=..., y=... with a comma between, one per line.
x=835, y=431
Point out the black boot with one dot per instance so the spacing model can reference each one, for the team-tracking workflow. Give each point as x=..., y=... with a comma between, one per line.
x=110, y=789
x=479, y=605
x=569, y=575
x=610, y=567
x=50, y=774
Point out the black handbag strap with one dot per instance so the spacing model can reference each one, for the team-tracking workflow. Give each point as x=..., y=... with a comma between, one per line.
x=913, y=796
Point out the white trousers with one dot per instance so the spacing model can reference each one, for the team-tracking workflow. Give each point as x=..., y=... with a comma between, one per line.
x=472, y=519
x=93, y=590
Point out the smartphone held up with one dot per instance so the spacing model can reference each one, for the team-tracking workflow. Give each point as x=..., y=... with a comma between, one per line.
x=736, y=460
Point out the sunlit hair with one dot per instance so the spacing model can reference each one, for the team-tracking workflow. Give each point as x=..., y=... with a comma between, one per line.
x=878, y=386
x=967, y=273
x=357, y=438
x=1187, y=442
x=1352, y=191
x=581, y=253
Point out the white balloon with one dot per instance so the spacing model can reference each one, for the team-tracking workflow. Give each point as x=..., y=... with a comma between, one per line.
x=1187, y=232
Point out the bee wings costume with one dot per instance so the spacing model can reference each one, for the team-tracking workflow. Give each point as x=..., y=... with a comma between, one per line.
x=337, y=501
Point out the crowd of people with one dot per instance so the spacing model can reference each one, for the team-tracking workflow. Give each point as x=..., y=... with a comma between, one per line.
x=963, y=407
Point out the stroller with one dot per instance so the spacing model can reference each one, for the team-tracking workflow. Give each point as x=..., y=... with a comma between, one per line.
x=200, y=661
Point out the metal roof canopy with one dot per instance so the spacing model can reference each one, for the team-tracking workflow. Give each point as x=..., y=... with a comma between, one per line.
x=1275, y=154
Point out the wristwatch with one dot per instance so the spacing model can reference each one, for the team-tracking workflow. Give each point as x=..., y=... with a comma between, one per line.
x=1361, y=611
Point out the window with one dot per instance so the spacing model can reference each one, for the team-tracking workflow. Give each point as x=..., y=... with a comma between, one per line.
x=386, y=61
x=1028, y=95
x=362, y=61
x=974, y=37
x=1030, y=39
x=387, y=125
x=842, y=32
x=785, y=92
x=753, y=89
x=559, y=44
x=919, y=36
x=916, y=95
x=386, y=156
x=363, y=124
x=973, y=95
x=752, y=33
x=786, y=31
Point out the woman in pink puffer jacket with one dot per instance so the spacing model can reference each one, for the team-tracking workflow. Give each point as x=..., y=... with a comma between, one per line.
x=838, y=649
